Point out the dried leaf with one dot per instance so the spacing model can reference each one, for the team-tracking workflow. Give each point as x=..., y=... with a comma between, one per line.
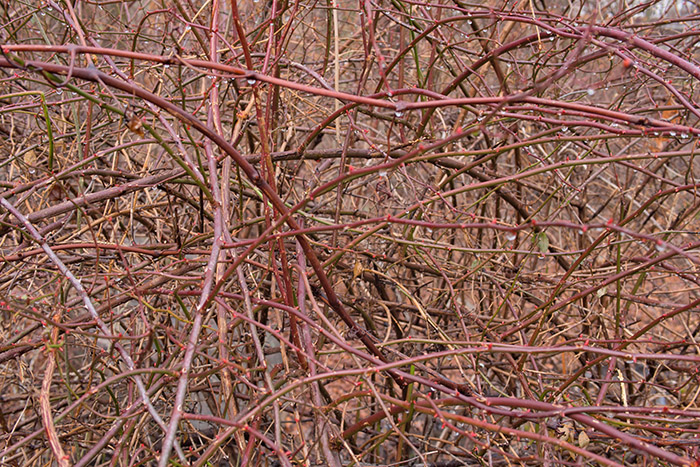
x=583, y=439
x=357, y=270
x=623, y=387
x=566, y=431
x=30, y=158
x=136, y=125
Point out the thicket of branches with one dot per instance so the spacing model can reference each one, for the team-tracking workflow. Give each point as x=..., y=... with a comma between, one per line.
x=349, y=233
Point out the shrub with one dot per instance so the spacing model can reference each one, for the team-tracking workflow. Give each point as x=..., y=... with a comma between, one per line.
x=303, y=233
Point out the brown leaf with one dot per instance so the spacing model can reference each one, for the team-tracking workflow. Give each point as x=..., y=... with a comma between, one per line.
x=357, y=270
x=30, y=158
x=583, y=439
x=136, y=125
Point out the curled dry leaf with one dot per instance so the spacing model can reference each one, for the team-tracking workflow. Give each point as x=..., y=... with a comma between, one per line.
x=136, y=125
